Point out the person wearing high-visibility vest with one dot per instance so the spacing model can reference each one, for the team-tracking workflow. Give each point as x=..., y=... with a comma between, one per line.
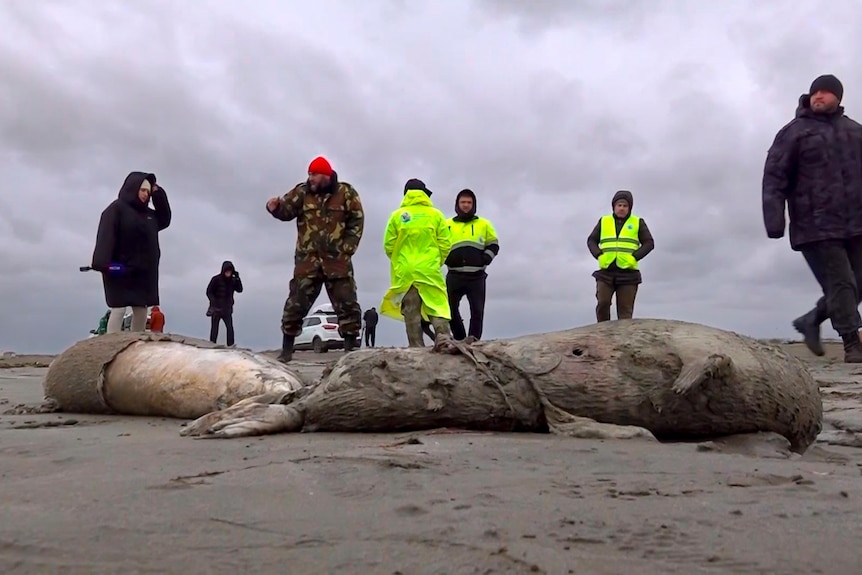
x=619, y=242
x=474, y=247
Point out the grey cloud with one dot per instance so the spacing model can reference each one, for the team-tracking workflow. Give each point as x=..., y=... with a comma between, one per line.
x=227, y=106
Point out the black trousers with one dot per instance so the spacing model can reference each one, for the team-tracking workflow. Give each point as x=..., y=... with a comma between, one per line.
x=837, y=267
x=228, y=323
x=370, y=335
x=472, y=286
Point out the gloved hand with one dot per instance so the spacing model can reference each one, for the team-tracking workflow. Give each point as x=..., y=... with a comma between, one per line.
x=116, y=269
x=487, y=258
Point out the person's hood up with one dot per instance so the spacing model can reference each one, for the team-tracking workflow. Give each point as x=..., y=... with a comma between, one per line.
x=624, y=195
x=465, y=216
x=416, y=198
x=227, y=265
x=132, y=185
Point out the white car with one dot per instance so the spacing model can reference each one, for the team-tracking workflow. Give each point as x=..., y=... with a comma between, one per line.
x=320, y=333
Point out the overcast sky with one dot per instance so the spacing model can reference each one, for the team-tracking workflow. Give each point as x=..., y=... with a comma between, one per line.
x=544, y=109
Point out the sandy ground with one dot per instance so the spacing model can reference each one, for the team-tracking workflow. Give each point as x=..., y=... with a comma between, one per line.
x=87, y=494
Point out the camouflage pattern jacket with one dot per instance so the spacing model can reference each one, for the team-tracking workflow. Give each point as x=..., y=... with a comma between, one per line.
x=329, y=225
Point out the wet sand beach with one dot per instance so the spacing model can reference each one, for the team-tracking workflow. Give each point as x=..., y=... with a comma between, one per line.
x=105, y=494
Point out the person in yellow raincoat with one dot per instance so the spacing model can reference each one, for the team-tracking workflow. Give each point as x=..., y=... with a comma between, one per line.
x=417, y=241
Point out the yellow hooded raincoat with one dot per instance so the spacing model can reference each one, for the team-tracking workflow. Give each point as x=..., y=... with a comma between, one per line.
x=417, y=241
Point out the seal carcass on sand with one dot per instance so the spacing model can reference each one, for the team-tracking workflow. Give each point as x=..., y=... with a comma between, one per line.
x=143, y=373
x=657, y=378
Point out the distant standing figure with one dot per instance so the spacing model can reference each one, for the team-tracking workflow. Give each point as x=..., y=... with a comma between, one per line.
x=329, y=225
x=814, y=170
x=474, y=247
x=157, y=320
x=417, y=241
x=371, y=318
x=619, y=242
x=220, y=293
x=127, y=251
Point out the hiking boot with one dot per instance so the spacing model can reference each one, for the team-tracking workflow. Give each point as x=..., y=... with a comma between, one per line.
x=350, y=343
x=809, y=327
x=286, y=349
x=852, y=348
x=470, y=339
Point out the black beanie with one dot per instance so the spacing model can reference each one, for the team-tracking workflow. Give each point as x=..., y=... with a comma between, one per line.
x=828, y=83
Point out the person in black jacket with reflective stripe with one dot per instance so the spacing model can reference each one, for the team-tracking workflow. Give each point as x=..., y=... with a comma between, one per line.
x=814, y=167
x=220, y=292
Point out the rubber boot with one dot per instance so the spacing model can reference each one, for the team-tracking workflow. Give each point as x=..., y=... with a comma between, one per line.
x=809, y=326
x=443, y=336
x=852, y=347
x=350, y=343
x=286, y=348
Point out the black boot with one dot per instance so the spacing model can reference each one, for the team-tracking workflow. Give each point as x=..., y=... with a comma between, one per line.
x=809, y=326
x=350, y=343
x=286, y=348
x=852, y=348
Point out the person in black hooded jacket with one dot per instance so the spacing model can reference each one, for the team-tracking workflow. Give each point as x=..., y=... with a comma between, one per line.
x=220, y=292
x=619, y=242
x=474, y=247
x=127, y=251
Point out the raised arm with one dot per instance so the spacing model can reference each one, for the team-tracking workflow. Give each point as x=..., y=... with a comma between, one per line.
x=779, y=179
x=290, y=204
x=162, y=207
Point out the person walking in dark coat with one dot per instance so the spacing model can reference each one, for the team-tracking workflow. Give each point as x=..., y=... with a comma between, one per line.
x=814, y=168
x=619, y=242
x=370, y=318
x=220, y=292
x=127, y=251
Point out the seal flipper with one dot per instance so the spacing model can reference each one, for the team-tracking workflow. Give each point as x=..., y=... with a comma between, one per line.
x=694, y=373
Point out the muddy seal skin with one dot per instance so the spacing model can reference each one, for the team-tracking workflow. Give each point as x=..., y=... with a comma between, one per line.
x=651, y=378
x=164, y=375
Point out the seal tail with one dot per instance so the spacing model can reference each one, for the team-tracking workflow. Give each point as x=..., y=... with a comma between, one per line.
x=695, y=373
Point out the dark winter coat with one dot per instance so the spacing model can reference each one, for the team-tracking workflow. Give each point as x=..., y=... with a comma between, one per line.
x=129, y=235
x=613, y=274
x=814, y=166
x=220, y=290
x=371, y=318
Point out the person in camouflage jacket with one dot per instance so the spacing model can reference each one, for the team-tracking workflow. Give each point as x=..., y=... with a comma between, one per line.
x=329, y=224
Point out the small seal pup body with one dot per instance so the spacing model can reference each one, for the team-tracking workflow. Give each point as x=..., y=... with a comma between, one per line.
x=657, y=378
x=165, y=375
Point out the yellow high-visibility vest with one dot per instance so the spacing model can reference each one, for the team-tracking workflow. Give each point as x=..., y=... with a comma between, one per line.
x=620, y=248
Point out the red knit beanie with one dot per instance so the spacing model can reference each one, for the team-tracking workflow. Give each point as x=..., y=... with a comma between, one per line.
x=320, y=165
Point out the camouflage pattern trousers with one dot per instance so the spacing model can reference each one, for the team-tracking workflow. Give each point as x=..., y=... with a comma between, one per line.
x=305, y=290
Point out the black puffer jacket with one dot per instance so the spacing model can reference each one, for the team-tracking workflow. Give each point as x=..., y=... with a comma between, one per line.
x=221, y=288
x=814, y=166
x=129, y=235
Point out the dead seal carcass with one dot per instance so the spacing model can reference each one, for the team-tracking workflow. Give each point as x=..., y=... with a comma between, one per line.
x=142, y=373
x=678, y=380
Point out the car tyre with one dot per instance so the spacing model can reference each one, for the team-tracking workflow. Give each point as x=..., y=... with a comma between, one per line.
x=318, y=345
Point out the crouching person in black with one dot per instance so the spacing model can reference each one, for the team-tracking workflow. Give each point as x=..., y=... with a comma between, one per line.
x=220, y=294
